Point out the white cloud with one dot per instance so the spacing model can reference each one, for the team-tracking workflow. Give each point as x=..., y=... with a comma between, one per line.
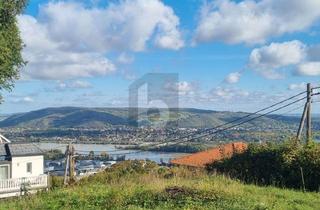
x=68, y=40
x=254, y=22
x=299, y=86
x=233, y=77
x=127, y=25
x=223, y=93
x=80, y=84
x=23, y=100
x=71, y=85
x=183, y=88
x=48, y=60
x=268, y=59
x=125, y=58
x=308, y=69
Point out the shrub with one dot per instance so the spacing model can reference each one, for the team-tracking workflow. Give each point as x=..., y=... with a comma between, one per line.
x=56, y=182
x=280, y=165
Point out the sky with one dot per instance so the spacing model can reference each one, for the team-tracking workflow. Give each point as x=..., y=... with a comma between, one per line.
x=228, y=55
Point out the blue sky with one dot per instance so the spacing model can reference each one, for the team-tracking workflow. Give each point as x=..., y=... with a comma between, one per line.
x=229, y=55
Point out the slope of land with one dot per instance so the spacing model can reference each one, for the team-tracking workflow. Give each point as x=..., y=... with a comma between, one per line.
x=97, y=118
x=140, y=185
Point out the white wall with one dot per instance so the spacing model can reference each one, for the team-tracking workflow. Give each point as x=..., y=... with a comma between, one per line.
x=19, y=166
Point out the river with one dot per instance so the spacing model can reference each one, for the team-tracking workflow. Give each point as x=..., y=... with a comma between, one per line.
x=113, y=151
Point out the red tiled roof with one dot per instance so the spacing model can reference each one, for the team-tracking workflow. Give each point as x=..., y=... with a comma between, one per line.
x=200, y=159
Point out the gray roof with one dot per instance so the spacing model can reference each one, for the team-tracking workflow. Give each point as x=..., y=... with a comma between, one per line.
x=12, y=150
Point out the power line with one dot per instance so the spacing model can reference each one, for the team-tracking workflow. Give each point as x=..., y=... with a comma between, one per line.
x=242, y=118
x=218, y=131
x=238, y=119
x=315, y=94
x=257, y=112
x=230, y=127
x=272, y=111
x=209, y=129
x=284, y=113
x=220, y=126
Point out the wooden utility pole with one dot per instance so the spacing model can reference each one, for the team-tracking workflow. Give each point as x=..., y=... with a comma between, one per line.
x=71, y=163
x=309, y=101
x=306, y=116
x=65, y=181
x=303, y=119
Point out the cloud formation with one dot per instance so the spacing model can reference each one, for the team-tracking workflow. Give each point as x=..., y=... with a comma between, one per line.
x=183, y=88
x=267, y=60
x=233, y=78
x=299, y=86
x=254, y=22
x=68, y=40
x=22, y=100
x=295, y=56
x=127, y=25
x=308, y=69
x=223, y=93
x=72, y=85
x=125, y=58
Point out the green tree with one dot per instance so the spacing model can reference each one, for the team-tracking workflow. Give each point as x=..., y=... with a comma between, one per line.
x=11, y=45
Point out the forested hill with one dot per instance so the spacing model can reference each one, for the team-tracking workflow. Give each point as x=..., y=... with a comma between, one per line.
x=76, y=117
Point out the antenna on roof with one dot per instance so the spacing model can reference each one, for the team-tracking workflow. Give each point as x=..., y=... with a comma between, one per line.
x=4, y=139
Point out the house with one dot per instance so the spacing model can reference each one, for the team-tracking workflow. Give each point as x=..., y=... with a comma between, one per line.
x=201, y=159
x=21, y=168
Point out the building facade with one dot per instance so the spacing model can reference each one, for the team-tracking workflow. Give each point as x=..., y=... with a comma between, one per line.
x=21, y=169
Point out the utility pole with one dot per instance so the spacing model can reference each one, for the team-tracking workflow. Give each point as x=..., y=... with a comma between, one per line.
x=65, y=181
x=71, y=163
x=309, y=101
x=303, y=119
x=306, y=116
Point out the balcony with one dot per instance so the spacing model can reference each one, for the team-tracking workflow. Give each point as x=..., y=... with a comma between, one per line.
x=20, y=186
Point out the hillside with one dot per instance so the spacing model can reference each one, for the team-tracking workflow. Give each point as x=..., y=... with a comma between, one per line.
x=140, y=185
x=75, y=117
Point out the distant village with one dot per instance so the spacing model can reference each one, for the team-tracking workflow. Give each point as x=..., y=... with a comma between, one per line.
x=135, y=136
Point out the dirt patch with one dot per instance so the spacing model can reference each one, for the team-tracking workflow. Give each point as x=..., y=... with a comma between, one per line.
x=177, y=191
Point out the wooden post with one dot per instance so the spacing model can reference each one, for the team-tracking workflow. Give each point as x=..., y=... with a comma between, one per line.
x=302, y=179
x=65, y=181
x=71, y=164
x=303, y=119
x=309, y=126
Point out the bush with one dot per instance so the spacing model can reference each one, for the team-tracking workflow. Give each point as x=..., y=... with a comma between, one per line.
x=280, y=165
x=56, y=181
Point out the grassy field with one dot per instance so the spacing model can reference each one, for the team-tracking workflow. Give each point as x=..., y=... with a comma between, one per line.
x=139, y=185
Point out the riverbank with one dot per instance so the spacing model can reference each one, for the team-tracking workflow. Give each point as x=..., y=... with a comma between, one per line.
x=113, y=150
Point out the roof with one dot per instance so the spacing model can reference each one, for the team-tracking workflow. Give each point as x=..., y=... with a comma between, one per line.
x=13, y=150
x=201, y=159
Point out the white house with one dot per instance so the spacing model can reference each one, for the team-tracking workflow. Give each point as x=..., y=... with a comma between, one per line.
x=21, y=169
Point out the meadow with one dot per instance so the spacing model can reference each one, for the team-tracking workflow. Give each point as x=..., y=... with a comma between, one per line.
x=144, y=185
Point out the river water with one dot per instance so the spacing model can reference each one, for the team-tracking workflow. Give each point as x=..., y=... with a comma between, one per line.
x=113, y=151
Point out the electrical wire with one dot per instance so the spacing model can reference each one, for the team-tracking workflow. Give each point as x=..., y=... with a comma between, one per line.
x=248, y=115
x=221, y=130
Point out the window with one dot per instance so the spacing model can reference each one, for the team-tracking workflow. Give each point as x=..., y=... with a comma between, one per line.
x=29, y=168
x=4, y=172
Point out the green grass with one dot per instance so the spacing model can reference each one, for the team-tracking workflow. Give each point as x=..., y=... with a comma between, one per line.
x=135, y=185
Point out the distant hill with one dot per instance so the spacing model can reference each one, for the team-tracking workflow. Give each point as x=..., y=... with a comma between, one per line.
x=78, y=117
